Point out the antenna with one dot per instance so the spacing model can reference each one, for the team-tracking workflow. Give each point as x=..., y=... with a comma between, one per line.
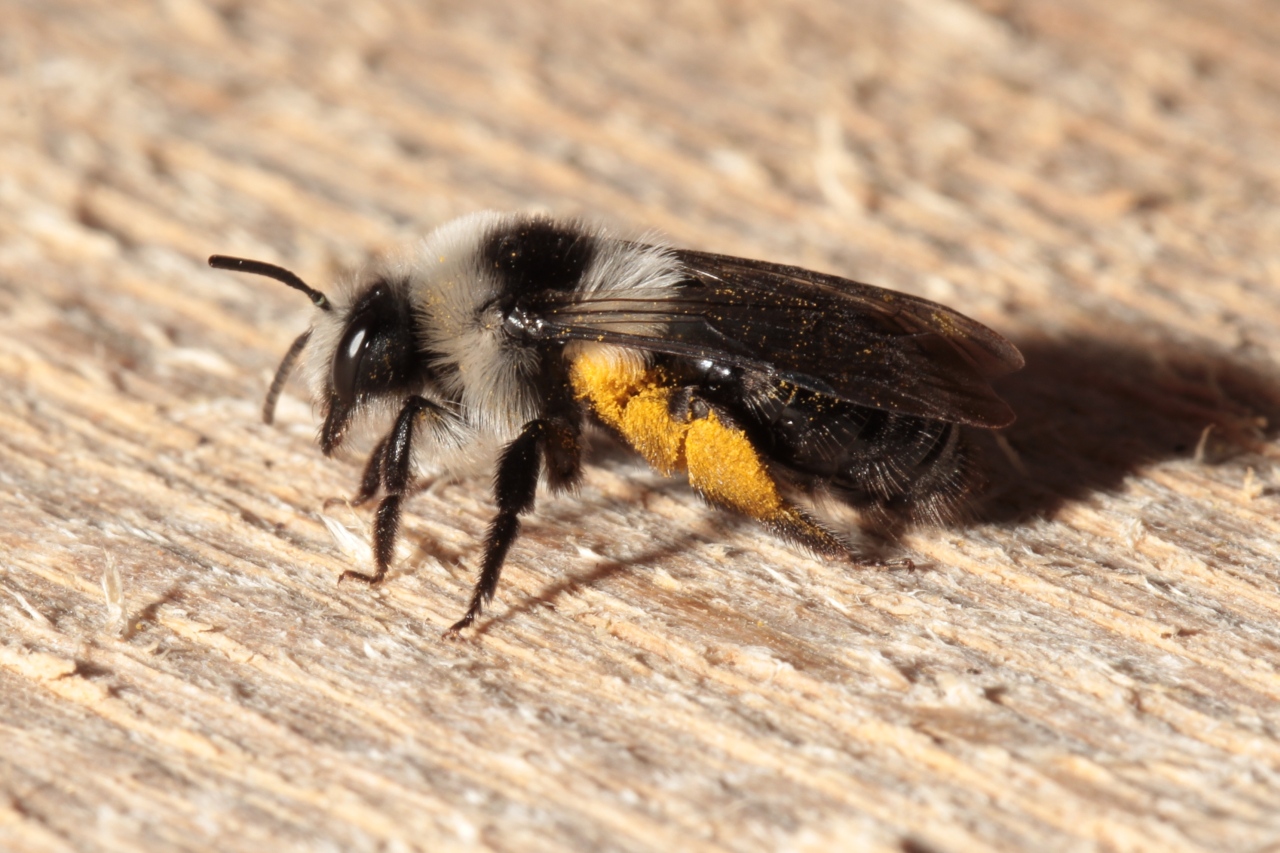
x=280, y=274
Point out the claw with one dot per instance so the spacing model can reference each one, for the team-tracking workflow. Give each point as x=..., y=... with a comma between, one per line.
x=371, y=580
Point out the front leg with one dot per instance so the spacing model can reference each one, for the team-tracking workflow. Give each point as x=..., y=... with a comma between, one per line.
x=515, y=485
x=392, y=464
x=371, y=480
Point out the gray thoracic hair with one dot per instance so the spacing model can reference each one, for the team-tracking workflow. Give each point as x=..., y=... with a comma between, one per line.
x=476, y=370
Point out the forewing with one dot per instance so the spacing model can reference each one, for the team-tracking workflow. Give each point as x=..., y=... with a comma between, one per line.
x=864, y=344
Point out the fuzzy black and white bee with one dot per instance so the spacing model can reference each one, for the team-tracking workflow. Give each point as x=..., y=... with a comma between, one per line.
x=500, y=336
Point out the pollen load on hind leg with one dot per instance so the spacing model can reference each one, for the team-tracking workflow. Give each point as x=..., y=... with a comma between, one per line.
x=892, y=465
x=675, y=431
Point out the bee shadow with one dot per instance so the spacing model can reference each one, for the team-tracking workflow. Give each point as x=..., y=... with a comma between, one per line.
x=1092, y=411
x=578, y=581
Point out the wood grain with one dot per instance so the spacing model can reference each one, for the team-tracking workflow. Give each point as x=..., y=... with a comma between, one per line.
x=1088, y=663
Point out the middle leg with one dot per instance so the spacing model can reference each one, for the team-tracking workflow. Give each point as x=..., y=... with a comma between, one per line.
x=515, y=486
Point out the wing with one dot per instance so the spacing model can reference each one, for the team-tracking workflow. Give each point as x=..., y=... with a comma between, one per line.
x=864, y=344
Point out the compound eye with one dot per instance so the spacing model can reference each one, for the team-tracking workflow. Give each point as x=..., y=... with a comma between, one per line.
x=347, y=362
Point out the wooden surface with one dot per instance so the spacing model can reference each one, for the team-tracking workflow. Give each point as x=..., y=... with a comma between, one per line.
x=1089, y=663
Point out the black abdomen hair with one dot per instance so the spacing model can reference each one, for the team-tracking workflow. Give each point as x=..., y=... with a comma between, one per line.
x=899, y=465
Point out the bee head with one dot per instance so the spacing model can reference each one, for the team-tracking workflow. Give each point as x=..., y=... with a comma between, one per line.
x=376, y=356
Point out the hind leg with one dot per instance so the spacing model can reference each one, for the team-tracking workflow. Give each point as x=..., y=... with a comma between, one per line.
x=725, y=468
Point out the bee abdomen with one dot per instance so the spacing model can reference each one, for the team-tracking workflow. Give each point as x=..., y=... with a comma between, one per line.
x=920, y=468
x=875, y=460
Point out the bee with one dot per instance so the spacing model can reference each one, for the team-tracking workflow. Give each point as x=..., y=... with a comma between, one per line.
x=496, y=339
